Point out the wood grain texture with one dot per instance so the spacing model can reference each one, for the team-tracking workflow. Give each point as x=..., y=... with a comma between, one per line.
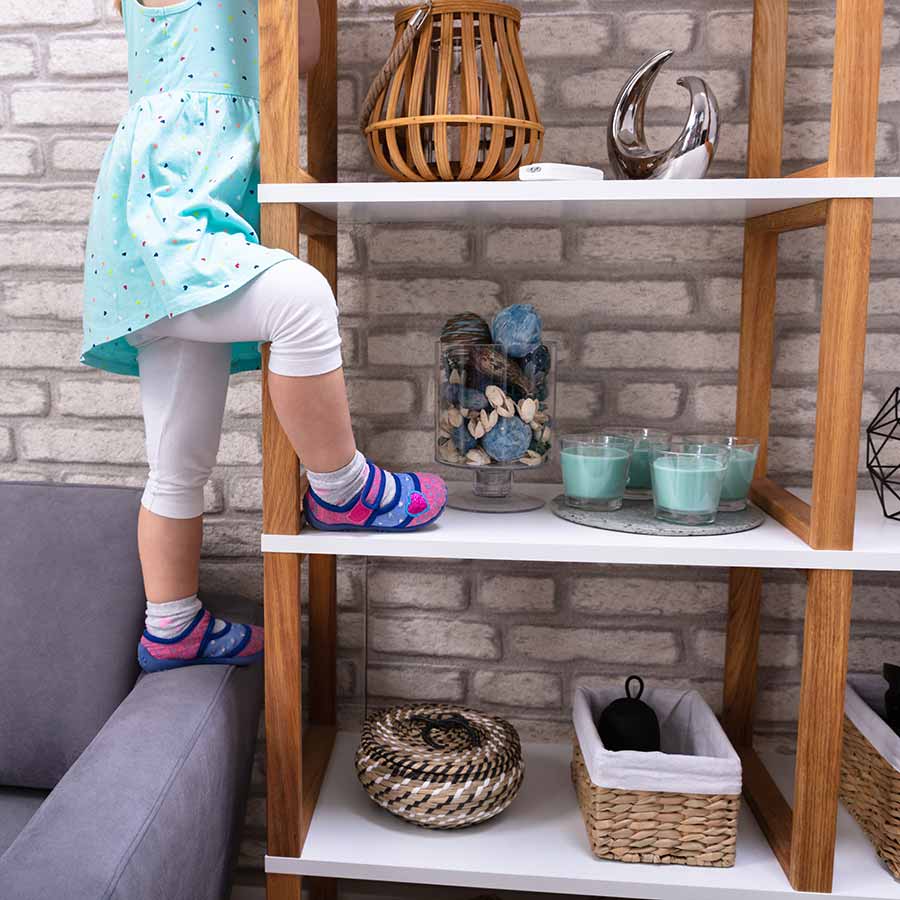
x=318, y=742
x=782, y=505
x=842, y=347
x=768, y=804
x=854, y=90
x=741, y=655
x=282, y=887
x=322, y=888
x=322, y=574
x=820, y=170
x=768, y=68
x=810, y=215
x=826, y=636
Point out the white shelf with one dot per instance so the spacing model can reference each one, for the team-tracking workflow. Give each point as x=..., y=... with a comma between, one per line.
x=539, y=844
x=542, y=537
x=557, y=202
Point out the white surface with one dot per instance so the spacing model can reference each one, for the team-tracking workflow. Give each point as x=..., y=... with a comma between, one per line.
x=539, y=844
x=696, y=756
x=541, y=536
x=703, y=200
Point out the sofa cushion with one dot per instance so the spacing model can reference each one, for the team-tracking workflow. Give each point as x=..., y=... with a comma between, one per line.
x=17, y=806
x=71, y=608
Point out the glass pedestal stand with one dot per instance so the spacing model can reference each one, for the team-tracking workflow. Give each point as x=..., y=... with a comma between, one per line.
x=491, y=492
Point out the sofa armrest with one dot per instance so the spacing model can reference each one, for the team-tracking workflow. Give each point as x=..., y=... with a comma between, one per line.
x=153, y=806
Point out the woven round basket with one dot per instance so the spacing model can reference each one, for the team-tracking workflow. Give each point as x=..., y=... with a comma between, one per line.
x=453, y=102
x=440, y=766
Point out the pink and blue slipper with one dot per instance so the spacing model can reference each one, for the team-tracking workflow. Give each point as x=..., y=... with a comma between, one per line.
x=418, y=500
x=199, y=645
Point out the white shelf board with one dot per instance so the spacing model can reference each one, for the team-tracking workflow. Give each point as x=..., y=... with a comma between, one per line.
x=541, y=536
x=539, y=844
x=554, y=202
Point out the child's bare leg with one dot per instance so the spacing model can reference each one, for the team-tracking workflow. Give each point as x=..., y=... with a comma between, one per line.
x=170, y=555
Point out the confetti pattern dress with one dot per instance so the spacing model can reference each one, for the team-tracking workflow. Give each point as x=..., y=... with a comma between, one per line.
x=175, y=217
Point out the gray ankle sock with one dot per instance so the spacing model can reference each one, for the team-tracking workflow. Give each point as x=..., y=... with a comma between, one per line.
x=338, y=488
x=168, y=620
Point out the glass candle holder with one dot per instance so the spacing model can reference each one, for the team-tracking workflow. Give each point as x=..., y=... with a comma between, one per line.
x=639, y=486
x=741, y=465
x=687, y=481
x=595, y=469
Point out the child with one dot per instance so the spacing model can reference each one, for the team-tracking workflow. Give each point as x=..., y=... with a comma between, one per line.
x=179, y=291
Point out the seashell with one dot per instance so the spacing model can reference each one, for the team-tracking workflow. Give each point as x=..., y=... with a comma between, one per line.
x=535, y=426
x=476, y=429
x=508, y=440
x=488, y=420
x=541, y=418
x=465, y=329
x=495, y=396
x=546, y=434
x=477, y=457
x=527, y=408
x=454, y=417
x=463, y=411
x=531, y=458
x=455, y=377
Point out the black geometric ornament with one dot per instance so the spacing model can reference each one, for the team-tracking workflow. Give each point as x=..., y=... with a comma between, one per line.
x=883, y=455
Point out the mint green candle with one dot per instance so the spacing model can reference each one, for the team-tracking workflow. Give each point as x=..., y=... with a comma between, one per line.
x=639, y=484
x=738, y=476
x=594, y=474
x=686, y=486
x=639, y=476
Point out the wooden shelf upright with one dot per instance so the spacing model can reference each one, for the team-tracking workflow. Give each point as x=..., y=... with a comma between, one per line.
x=802, y=834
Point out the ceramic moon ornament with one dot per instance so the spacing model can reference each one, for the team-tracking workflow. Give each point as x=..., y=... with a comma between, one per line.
x=691, y=153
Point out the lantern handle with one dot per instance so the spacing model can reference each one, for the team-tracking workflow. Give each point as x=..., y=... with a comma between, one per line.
x=640, y=682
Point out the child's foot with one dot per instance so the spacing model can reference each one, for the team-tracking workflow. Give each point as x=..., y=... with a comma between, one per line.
x=204, y=641
x=388, y=501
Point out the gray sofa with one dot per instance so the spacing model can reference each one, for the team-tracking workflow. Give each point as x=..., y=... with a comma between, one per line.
x=111, y=786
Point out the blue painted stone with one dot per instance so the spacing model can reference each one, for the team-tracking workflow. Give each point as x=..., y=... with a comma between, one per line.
x=507, y=440
x=462, y=440
x=450, y=394
x=517, y=329
x=472, y=399
x=536, y=363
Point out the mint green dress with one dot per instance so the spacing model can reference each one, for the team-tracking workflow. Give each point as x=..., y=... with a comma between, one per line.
x=175, y=221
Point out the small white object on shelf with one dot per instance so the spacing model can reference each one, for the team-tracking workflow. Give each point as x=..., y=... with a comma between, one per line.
x=559, y=172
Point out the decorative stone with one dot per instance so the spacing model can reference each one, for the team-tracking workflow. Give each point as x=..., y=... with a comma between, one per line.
x=465, y=329
x=472, y=399
x=496, y=369
x=507, y=440
x=537, y=362
x=517, y=329
x=462, y=440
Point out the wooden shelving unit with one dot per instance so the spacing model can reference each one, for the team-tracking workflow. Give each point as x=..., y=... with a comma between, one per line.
x=810, y=848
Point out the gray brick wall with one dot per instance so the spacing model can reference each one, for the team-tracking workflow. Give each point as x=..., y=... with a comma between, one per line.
x=646, y=318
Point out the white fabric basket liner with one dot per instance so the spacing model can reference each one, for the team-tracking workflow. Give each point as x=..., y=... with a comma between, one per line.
x=696, y=757
x=864, y=707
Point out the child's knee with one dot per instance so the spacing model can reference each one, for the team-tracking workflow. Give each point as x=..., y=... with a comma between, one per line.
x=176, y=494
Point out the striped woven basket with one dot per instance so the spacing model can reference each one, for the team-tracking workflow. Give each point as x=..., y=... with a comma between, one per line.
x=440, y=766
x=654, y=826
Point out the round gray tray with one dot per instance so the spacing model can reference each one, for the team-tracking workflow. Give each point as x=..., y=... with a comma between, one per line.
x=636, y=517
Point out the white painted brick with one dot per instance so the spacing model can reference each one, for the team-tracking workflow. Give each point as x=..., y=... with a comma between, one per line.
x=13, y=472
x=381, y=396
x=366, y=42
x=714, y=403
x=410, y=349
x=88, y=54
x=776, y=650
x=562, y=36
x=420, y=246
x=46, y=206
x=43, y=249
x=647, y=33
x=230, y=537
x=20, y=156
x=664, y=244
x=799, y=353
x=419, y=683
x=507, y=594
x=599, y=87
x=434, y=637
x=535, y=689
x=884, y=296
x=868, y=654
x=93, y=398
x=639, y=595
x=245, y=494
x=17, y=13
x=605, y=645
x=584, y=144
x=23, y=397
x=390, y=588
x=39, y=350
x=430, y=296
x=18, y=57
x=795, y=296
x=399, y=449
x=43, y=300
x=523, y=245
x=7, y=449
x=78, y=154
x=619, y=299
x=654, y=349
x=59, y=443
x=244, y=395
x=578, y=402
x=790, y=454
x=89, y=474
x=68, y=106
x=654, y=400
x=240, y=448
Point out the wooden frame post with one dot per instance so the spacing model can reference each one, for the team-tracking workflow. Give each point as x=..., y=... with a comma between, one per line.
x=296, y=759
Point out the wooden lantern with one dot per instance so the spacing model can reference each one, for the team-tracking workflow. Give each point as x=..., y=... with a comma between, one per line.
x=458, y=106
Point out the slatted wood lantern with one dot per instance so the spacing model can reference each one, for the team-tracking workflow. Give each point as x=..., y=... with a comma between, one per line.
x=453, y=102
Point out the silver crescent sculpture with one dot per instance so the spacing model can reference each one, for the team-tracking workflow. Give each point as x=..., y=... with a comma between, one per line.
x=691, y=153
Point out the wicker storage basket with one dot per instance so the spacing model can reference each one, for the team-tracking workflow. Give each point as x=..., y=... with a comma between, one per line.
x=676, y=807
x=870, y=767
x=440, y=766
x=459, y=105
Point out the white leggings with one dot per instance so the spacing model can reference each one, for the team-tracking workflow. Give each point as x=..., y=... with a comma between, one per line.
x=184, y=366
